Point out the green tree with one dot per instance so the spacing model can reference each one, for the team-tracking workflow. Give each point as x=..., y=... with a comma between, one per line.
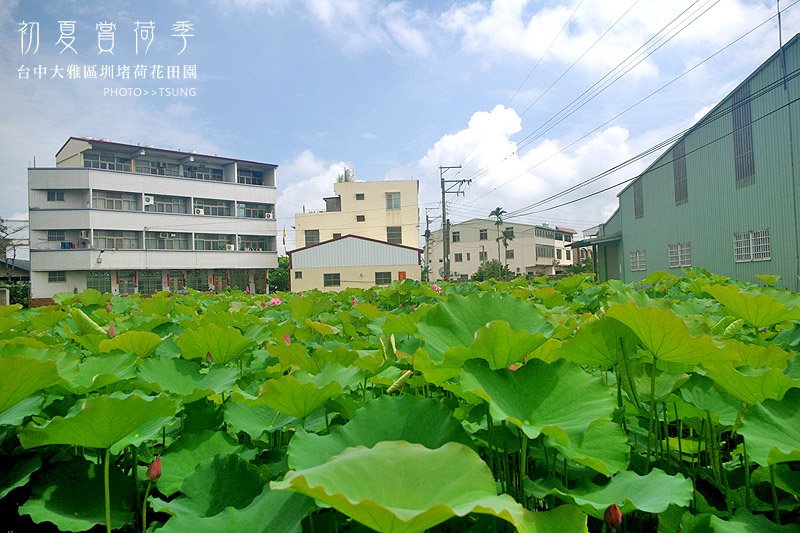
x=493, y=269
x=279, y=277
x=498, y=213
x=505, y=238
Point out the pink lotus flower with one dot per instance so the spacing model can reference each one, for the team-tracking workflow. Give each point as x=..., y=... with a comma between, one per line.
x=437, y=289
x=108, y=307
x=287, y=339
x=112, y=331
x=154, y=470
x=274, y=301
x=354, y=301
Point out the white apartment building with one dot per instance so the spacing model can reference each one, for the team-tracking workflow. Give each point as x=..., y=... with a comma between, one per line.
x=381, y=210
x=534, y=249
x=128, y=219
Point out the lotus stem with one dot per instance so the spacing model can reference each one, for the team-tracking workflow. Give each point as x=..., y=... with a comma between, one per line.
x=651, y=425
x=523, y=463
x=107, y=489
x=144, y=506
x=746, y=476
x=666, y=432
x=776, y=512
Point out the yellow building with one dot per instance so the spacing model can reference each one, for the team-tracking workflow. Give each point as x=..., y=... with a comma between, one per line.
x=383, y=210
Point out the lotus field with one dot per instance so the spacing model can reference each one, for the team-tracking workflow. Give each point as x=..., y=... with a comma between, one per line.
x=537, y=406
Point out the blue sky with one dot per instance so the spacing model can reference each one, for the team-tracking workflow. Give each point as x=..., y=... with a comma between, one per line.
x=390, y=89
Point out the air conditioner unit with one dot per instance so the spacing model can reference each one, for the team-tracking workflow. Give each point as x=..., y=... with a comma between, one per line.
x=84, y=234
x=268, y=216
x=149, y=200
x=163, y=235
x=199, y=211
x=162, y=165
x=230, y=247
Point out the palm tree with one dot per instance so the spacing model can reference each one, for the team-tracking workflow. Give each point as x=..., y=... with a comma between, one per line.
x=505, y=237
x=498, y=213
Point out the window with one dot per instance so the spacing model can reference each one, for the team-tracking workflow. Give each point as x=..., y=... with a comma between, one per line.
x=218, y=208
x=257, y=243
x=99, y=280
x=752, y=246
x=743, y=162
x=679, y=173
x=118, y=201
x=543, y=250
x=509, y=254
x=202, y=172
x=337, y=235
x=55, y=196
x=360, y=218
x=149, y=281
x=331, y=280
x=638, y=201
x=311, y=236
x=467, y=256
x=545, y=233
x=558, y=253
x=58, y=276
x=679, y=254
x=394, y=234
x=158, y=168
x=162, y=240
x=638, y=260
x=250, y=177
x=106, y=162
x=212, y=241
x=509, y=231
x=117, y=240
x=359, y=196
x=298, y=274
x=168, y=204
x=569, y=255
x=459, y=258
x=456, y=236
x=383, y=278
x=252, y=210
x=197, y=280
x=483, y=256
x=392, y=201
x=56, y=235
x=483, y=234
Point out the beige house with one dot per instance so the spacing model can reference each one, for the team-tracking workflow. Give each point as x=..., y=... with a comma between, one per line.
x=383, y=210
x=534, y=249
x=351, y=261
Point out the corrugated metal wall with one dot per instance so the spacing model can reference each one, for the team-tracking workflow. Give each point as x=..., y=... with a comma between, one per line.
x=716, y=208
x=351, y=252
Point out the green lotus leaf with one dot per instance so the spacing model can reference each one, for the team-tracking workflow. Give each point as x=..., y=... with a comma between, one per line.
x=752, y=385
x=183, y=378
x=758, y=310
x=454, y=322
x=400, y=487
x=47, y=318
x=702, y=393
x=90, y=341
x=310, y=305
x=322, y=328
x=289, y=395
x=293, y=355
x=598, y=342
x=142, y=343
x=20, y=377
x=99, y=371
x=652, y=493
x=603, y=447
x=254, y=419
x=15, y=471
x=104, y=422
x=224, y=481
x=85, y=325
x=667, y=337
x=744, y=522
x=758, y=356
x=785, y=478
x=16, y=415
x=270, y=512
x=70, y=495
x=224, y=344
x=406, y=418
x=185, y=454
x=159, y=304
x=771, y=430
x=556, y=399
x=498, y=344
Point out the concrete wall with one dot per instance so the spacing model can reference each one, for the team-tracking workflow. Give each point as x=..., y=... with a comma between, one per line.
x=362, y=277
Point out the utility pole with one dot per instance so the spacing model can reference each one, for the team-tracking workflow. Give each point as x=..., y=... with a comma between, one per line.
x=448, y=187
x=428, y=219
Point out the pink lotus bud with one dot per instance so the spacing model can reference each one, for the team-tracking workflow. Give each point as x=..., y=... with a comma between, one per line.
x=209, y=359
x=354, y=301
x=263, y=303
x=437, y=289
x=613, y=516
x=274, y=301
x=513, y=366
x=108, y=307
x=287, y=339
x=413, y=308
x=112, y=331
x=154, y=470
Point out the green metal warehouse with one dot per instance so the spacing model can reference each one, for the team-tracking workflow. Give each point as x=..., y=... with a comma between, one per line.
x=724, y=196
